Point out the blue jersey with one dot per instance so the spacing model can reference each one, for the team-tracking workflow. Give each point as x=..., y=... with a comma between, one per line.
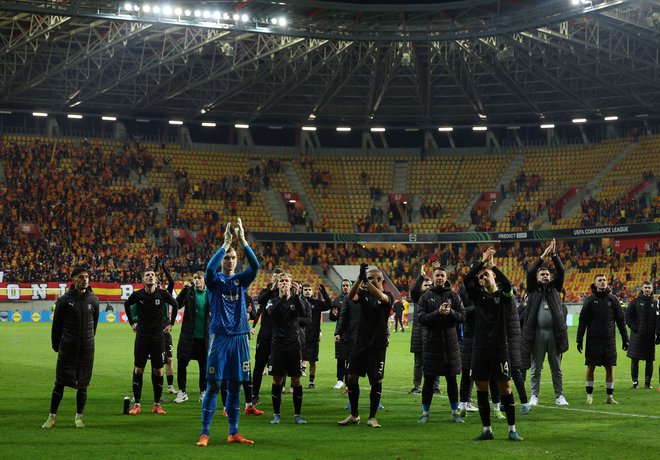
x=227, y=295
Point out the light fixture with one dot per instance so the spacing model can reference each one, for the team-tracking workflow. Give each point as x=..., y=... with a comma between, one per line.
x=128, y=6
x=309, y=128
x=245, y=18
x=5, y=112
x=642, y=115
x=197, y=13
x=377, y=129
x=167, y=10
x=482, y=116
x=208, y=124
x=75, y=116
x=142, y=120
x=178, y=11
x=547, y=126
x=236, y=17
x=241, y=126
x=411, y=130
x=579, y=120
x=273, y=21
x=282, y=21
x=188, y=12
x=274, y=127
x=146, y=8
x=445, y=129
x=513, y=128
x=156, y=9
x=311, y=117
x=217, y=15
x=203, y=111
x=479, y=128
x=206, y=14
x=136, y=8
x=108, y=118
x=39, y=114
x=175, y=122
x=343, y=129
x=611, y=118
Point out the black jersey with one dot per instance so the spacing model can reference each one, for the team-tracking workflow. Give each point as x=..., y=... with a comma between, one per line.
x=285, y=315
x=492, y=311
x=490, y=321
x=374, y=315
x=150, y=309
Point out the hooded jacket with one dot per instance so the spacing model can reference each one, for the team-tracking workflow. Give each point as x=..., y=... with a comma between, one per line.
x=536, y=292
x=441, y=354
x=641, y=318
x=72, y=337
x=600, y=312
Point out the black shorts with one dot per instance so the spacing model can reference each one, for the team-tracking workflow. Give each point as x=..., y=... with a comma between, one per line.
x=149, y=347
x=490, y=364
x=367, y=361
x=286, y=362
x=168, y=345
x=311, y=352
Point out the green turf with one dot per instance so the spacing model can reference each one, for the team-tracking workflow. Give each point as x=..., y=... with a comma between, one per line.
x=27, y=371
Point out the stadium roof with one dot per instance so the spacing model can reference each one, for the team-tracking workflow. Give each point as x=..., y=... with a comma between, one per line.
x=358, y=63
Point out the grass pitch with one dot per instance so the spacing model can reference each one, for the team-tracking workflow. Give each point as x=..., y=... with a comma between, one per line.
x=27, y=373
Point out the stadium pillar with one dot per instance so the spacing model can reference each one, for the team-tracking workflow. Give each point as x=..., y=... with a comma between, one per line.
x=491, y=140
x=368, y=141
x=245, y=138
x=52, y=127
x=119, y=131
x=429, y=141
x=309, y=140
x=183, y=137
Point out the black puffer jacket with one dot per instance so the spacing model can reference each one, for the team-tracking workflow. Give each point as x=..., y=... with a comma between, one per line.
x=641, y=318
x=416, y=337
x=442, y=354
x=340, y=303
x=503, y=296
x=536, y=292
x=600, y=312
x=348, y=323
x=72, y=336
x=188, y=300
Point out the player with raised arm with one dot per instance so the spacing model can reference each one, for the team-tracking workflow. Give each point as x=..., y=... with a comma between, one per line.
x=229, y=348
x=496, y=339
x=368, y=354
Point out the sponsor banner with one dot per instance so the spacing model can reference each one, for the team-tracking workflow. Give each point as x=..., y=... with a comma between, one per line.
x=650, y=229
x=111, y=292
x=47, y=317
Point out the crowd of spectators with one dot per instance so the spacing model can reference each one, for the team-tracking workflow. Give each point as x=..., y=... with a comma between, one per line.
x=90, y=212
x=617, y=212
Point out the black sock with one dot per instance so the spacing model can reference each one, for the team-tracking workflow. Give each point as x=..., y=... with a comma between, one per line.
x=374, y=398
x=427, y=389
x=484, y=407
x=276, y=395
x=311, y=378
x=610, y=391
x=81, y=399
x=247, y=390
x=182, y=374
x=223, y=393
x=157, y=381
x=353, y=397
x=590, y=390
x=341, y=368
x=56, y=398
x=170, y=380
x=509, y=408
x=297, y=399
x=648, y=375
x=137, y=387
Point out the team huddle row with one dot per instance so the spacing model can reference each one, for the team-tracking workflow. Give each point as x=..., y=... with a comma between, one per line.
x=476, y=333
